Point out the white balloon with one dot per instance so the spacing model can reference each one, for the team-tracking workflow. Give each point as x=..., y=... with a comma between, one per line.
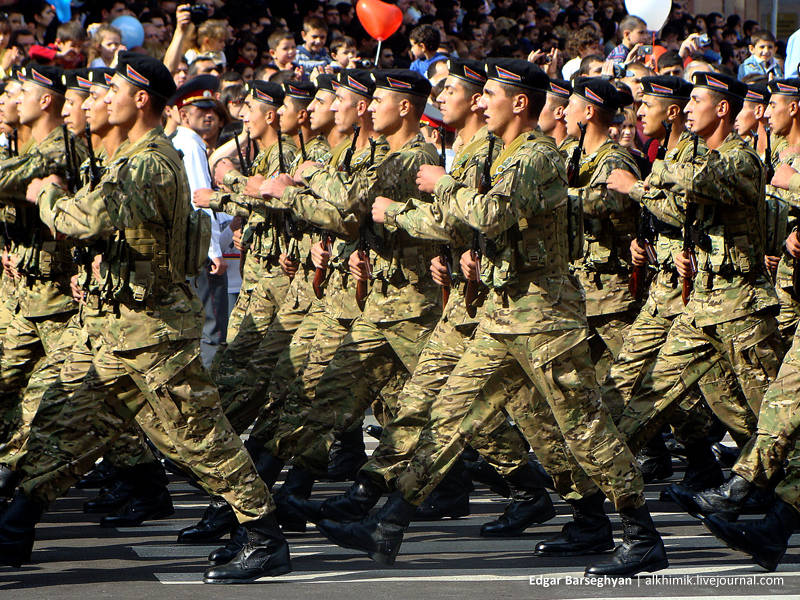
x=652, y=12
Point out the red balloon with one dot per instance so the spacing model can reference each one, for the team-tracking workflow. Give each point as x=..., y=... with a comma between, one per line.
x=380, y=19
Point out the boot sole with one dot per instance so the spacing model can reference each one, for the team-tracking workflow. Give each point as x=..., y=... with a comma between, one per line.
x=769, y=566
x=379, y=557
x=274, y=572
x=652, y=568
x=155, y=516
x=586, y=552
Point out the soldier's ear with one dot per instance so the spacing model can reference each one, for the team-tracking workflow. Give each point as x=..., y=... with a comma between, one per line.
x=519, y=104
x=794, y=108
x=404, y=107
x=473, y=102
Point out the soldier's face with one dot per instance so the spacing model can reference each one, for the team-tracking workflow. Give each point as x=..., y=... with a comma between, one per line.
x=72, y=111
x=701, y=112
x=29, y=103
x=497, y=107
x=455, y=102
x=552, y=113
x=345, y=110
x=385, y=109
x=652, y=113
x=289, y=116
x=781, y=112
x=96, y=110
x=199, y=120
x=319, y=111
x=8, y=103
x=121, y=101
x=254, y=117
x=575, y=114
x=746, y=120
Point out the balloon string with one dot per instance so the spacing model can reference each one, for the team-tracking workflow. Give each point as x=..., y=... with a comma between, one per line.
x=378, y=54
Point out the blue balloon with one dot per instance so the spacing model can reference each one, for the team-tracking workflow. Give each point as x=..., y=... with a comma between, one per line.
x=63, y=10
x=132, y=31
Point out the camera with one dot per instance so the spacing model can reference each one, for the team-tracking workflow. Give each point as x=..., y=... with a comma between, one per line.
x=619, y=71
x=364, y=63
x=703, y=40
x=199, y=12
x=645, y=50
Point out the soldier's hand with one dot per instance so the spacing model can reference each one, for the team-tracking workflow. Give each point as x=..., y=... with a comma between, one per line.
x=427, y=176
x=783, y=174
x=221, y=169
x=772, y=262
x=359, y=268
x=253, y=186
x=35, y=186
x=275, y=186
x=288, y=265
x=218, y=266
x=470, y=267
x=638, y=254
x=304, y=166
x=793, y=244
x=621, y=181
x=440, y=272
x=237, y=240
x=10, y=265
x=320, y=256
x=96, y=262
x=75, y=289
x=684, y=264
x=379, y=207
x=202, y=197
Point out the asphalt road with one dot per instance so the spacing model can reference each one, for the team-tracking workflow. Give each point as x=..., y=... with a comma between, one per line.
x=75, y=558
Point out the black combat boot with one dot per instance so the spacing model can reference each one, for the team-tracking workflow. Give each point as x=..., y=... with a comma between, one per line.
x=17, y=530
x=765, y=539
x=589, y=532
x=269, y=467
x=530, y=504
x=113, y=496
x=702, y=472
x=225, y=554
x=379, y=535
x=264, y=554
x=346, y=456
x=374, y=431
x=150, y=499
x=725, y=455
x=655, y=460
x=103, y=474
x=8, y=481
x=353, y=505
x=217, y=520
x=641, y=548
x=481, y=471
x=450, y=498
x=729, y=499
x=297, y=486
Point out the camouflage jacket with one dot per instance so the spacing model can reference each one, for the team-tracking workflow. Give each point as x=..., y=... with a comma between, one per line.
x=783, y=212
x=524, y=218
x=140, y=209
x=609, y=222
x=45, y=261
x=727, y=186
x=664, y=296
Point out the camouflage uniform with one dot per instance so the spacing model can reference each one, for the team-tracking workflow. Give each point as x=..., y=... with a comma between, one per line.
x=501, y=445
x=534, y=332
x=141, y=330
x=728, y=326
x=41, y=304
x=609, y=225
x=399, y=314
x=264, y=284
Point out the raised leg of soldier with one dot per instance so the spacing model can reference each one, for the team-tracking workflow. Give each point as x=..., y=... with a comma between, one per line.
x=691, y=355
x=606, y=340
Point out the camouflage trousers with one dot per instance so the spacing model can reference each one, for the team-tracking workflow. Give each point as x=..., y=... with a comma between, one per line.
x=7, y=292
x=499, y=442
x=248, y=324
x=557, y=367
x=691, y=418
x=774, y=446
x=370, y=356
x=127, y=450
x=243, y=403
x=26, y=342
x=99, y=392
x=747, y=348
x=606, y=335
x=789, y=315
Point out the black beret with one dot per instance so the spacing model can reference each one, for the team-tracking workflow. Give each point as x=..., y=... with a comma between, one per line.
x=601, y=92
x=17, y=73
x=266, y=92
x=101, y=76
x=518, y=72
x=198, y=91
x=358, y=81
x=77, y=79
x=45, y=76
x=302, y=90
x=146, y=72
x=758, y=93
x=560, y=88
x=403, y=81
x=784, y=87
x=667, y=86
x=325, y=82
x=724, y=84
x=471, y=71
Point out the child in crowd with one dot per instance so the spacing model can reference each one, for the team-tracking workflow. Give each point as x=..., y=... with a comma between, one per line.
x=282, y=49
x=634, y=31
x=106, y=40
x=343, y=52
x=762, y=57
x=312, y=53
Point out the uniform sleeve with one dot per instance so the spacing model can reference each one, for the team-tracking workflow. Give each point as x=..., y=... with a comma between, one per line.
x=421, y=220
x=17, y=172
x=598, y=200
x=315, y=210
